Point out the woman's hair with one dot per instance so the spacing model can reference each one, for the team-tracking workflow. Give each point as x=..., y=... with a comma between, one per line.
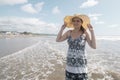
x=81, y=28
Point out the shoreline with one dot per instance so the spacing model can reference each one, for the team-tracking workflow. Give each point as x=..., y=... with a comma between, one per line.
x=18, y=36
x=5, y=36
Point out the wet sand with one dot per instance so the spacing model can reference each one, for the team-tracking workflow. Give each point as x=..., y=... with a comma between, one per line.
x=59, y=73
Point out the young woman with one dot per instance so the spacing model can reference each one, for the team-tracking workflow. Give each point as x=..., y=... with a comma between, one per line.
x=76, y=64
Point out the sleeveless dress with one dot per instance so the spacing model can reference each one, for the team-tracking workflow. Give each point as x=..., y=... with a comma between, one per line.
x=76, y=64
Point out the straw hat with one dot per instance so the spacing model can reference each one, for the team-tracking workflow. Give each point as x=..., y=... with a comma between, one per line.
x=68, y=20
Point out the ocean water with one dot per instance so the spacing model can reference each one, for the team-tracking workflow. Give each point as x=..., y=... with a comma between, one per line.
x=11, y=45
x=45, y=60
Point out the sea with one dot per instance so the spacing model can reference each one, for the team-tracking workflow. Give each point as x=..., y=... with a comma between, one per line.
x=42, y=58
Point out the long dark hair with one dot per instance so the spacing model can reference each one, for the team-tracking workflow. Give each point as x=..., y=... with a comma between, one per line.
x=81, y=28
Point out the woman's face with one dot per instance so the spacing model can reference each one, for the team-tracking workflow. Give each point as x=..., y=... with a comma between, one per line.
x=76, y=22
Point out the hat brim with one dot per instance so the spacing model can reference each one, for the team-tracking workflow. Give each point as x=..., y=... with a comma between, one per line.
x=68, y=21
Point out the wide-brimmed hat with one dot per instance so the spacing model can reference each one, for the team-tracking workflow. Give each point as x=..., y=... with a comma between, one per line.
x=85, y=18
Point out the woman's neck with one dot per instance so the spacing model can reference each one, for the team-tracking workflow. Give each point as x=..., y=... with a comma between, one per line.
x=76, y=30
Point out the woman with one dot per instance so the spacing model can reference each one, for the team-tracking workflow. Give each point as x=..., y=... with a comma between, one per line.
x=76, y=66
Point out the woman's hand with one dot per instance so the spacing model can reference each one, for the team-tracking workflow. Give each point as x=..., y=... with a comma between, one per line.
x=90, y=27
x=63, y=26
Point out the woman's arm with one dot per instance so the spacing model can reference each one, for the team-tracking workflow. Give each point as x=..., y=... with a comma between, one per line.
x=92, y=41
x=61, y=37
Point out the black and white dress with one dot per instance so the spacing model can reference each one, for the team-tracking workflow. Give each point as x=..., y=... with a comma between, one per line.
x=76, y=64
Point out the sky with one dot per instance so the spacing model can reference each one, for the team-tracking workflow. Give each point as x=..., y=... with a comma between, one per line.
x=46, y=16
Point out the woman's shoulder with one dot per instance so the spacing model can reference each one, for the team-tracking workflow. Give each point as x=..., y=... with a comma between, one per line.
x=68, y=33
x=86, y=33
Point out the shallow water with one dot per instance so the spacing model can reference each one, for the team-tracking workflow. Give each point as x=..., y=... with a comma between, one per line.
x=46, y=59
x=11, y=45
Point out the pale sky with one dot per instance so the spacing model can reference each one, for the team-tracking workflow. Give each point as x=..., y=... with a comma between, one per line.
x=46, y=16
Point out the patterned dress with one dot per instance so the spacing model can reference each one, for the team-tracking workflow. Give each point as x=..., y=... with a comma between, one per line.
x=76, y=64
